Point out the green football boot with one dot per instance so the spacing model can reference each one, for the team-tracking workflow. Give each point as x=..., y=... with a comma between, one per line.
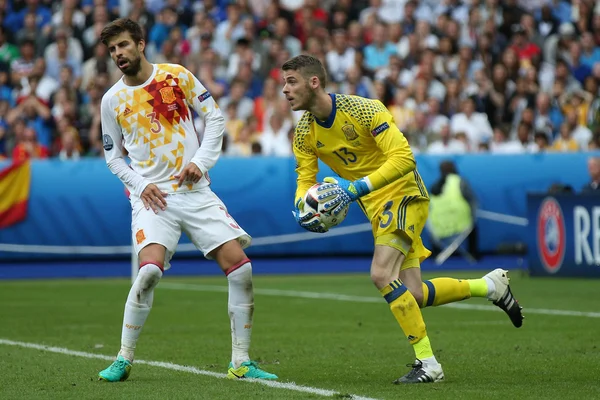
x=118, y=371
x=248, y=369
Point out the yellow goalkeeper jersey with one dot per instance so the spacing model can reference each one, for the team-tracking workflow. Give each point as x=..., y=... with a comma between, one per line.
x=359, y=139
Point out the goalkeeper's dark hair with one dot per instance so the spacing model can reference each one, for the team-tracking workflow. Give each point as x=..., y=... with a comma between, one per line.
x=308, y=66
x=119, y=26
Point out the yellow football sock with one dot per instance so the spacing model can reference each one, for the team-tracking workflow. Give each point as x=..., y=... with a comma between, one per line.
x=479, y=287
x=440, y=291
x=406, y=311
x=423, y=349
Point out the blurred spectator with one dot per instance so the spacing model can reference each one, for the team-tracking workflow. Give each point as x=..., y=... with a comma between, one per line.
x=281, y=31
x=216, y=86
x=502, y=144
x=377, y=53
x=548, y=117
x=474, y=124
x=565, y=142
x=212, y=10
x=22, y=67
x=30, y=31
x=28, y=147
x=541, y=141
x=340, y=58
x=590, y=52
x=229, y=30
x=159, y=33
x=265, y=104
x=59, y=59
x=68, y=144
x=578, y=70
x=36, y=116
x=139, y=12
x=402, y=112
x=91, y=35
x=8, y=51
x=16, y=19
x=357, y=84
x=233, y=124
x=67, y=13
x=594, y=170
x=453, y=208
x=237, y=95
x=74, y=50
x=525, y=138
x=100, y=63
x=446, y=144
x=528, y=53
x=275, y=140
x=242, y=55
x=579, y=132
x=246, y=138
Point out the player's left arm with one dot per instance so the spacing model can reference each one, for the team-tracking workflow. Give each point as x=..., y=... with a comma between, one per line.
x=399, y=157
x=200, y=99
x=399, y=162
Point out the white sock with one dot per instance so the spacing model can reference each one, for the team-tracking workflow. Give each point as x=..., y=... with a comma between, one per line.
x=137, y=308
x=491, y=286
x=430, y=362
x=241, y=308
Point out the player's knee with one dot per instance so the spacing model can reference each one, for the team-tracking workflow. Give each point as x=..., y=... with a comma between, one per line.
x=381, y=277
x=240, y=278
x=229, y=255
x=148, y=276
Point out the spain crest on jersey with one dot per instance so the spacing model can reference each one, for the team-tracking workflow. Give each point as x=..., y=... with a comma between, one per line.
x=349, y=132
x=167, y=94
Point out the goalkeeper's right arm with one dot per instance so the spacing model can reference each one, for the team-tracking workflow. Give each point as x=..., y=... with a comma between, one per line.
x=307, y=166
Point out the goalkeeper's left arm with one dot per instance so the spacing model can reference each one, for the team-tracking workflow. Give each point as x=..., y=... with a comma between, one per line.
x=399, y=162
x=399, y=157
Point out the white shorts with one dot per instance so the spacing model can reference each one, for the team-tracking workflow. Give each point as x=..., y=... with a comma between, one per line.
x=199, y=214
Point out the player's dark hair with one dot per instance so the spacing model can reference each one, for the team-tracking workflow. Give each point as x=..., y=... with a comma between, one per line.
x=119, y=26
x=308, y=66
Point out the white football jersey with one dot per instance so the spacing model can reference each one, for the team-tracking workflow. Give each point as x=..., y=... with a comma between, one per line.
x=153, y=123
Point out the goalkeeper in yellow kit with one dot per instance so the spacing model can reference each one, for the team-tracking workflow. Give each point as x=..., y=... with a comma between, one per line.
x=358, y=139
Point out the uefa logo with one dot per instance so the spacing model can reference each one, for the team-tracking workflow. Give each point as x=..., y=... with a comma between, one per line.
x=551, y=238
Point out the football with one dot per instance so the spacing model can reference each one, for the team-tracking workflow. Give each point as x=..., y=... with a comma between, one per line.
x=311, y=202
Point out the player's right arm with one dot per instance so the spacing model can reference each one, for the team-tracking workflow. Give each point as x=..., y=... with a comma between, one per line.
x=307, y=164
x=112, y=140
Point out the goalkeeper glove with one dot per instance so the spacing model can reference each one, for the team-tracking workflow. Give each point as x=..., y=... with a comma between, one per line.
x=345, y=192
x=308, y=219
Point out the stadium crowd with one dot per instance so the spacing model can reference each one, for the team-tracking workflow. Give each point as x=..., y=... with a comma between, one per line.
x=459, y=76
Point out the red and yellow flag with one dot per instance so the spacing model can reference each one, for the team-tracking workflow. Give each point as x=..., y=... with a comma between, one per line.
x=14, y=193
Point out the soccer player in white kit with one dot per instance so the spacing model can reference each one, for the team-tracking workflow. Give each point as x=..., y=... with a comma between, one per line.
x=148, y=112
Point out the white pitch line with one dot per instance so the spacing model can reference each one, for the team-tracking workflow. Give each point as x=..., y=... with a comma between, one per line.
x=182, y=368
x=367, y=299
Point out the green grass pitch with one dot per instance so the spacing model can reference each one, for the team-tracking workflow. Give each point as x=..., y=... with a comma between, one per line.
x=325, y=344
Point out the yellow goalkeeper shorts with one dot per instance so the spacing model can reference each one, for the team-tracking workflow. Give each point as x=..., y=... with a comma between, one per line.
x=399, y=224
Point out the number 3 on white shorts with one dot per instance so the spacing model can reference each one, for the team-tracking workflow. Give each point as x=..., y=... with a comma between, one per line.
x=232, y=223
